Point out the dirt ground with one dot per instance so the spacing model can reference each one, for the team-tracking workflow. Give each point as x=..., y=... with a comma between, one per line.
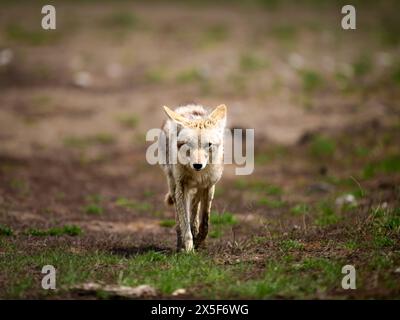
x=76, y=103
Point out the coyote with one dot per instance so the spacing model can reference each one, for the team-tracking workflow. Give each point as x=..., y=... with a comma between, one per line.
x=196, y=136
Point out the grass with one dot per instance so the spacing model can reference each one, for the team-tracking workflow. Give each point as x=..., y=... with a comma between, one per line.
x=258, y=186
x=311, y=80
x=23, y=274
x=271, y=203
x=215, y=34
x=385, y=226
x=178, y=271
x=129, y=120
x=121, y=20
x=220, y=223
x=190, y=76
x=20, y=185
x=5, y=231
x=250, y=62
x=362, y=66
x=155, y=75
x=300, y=209
x=322, y=146
x=84, y=142
x=387, y=165
x=326, y=214
x=285, y=33
x=94, y=205
x=223, y=219
x=30, y=36
x=283, y=278
x=287, y=245
x=132, y=204
x=93, y=208
x=70, y=230
x=167, y=223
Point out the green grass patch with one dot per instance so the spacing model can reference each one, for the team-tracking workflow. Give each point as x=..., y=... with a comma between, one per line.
x=258, y=186
x=271, y=203
x=168, y=273
x=24, y=277
x=300, y=209
x=31, y=36
x=69, y=230
x=93, y=208
x=251, y=62
x=285, y=32
x=322, y=146
x=167, y=223
x=362, y=66
x=215, y=34
x=223, y=219
x=121, y=20
x=387, y=165
x=84, y=142
x=326, y=214
x=20, y=185
x=285, y=279
x=190, y=76
x=311, y=80
x=129, y=120
x=132, y=204
x=385, y=226
x=6, y=231
x=290, y=244
x=94, y=204
x=351, y=245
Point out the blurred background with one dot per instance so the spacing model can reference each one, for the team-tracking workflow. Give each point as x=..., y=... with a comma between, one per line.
x=282, y=67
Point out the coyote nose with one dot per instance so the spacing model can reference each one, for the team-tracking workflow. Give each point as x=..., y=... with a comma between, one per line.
x=197, y=166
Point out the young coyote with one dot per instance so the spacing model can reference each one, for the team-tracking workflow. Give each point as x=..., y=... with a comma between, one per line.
x=195, y=136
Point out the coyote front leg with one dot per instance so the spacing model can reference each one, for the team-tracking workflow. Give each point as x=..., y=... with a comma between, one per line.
x=205, y=208
x=182, y=206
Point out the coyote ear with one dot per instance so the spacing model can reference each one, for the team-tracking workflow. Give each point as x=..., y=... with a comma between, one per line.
x=177, y=117
x=218, y=114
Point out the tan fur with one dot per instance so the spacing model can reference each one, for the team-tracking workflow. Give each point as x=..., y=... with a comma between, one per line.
x=192, y=191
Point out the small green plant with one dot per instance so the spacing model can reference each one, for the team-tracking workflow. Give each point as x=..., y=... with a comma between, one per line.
x=5, y=231
x=326, y=214
x=190, y=75
x=20, y=185
x=93, y=208
x=94, y=204
x=351, y=245
x=129, y=121
x=215, y=34
x=291, y=245
x=121, y=20
x=322, y=146
x=251, y=62
x=311, y=80
x=362, y=66
x=167, y=223
x=300, y=209
x=271, y=203
x=70, y=230
x=225, y=218
x=30, y=36
x=132, y=204
x=389, y=164
x=284, y=32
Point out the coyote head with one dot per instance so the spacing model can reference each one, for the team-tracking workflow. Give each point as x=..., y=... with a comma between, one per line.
x=200, y=141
